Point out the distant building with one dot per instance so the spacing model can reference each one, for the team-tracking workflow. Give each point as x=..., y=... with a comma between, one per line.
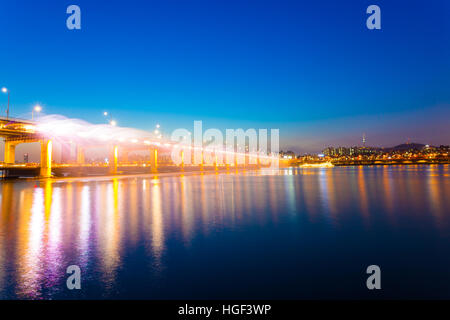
x=287, y=155
x=352, y=151
x=339, y=151
x=329, y=152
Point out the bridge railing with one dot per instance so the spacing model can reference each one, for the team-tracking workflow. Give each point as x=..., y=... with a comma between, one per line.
x=5, y=119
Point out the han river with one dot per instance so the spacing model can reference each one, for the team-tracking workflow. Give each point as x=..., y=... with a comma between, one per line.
x=293, y=233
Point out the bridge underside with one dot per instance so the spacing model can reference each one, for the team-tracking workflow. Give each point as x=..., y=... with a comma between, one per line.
x=16, y=171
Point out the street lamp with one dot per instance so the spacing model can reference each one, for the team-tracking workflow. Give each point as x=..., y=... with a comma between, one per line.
x=36, y=108
x=5, y=90
x=109, y=118
x=158, y=131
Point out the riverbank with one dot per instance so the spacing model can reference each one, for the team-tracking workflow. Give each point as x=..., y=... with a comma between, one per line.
x=372, y=163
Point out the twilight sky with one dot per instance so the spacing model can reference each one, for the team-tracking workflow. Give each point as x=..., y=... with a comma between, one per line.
x=310, y=68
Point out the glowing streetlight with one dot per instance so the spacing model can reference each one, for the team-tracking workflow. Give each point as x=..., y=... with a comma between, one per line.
x=109, y=118
x=36, y=108
x=5, y=90
x=157, y=132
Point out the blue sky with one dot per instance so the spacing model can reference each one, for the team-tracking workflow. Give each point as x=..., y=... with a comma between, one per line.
x=310, y=68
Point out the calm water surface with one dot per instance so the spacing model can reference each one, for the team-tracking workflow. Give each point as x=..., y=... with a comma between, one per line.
x=293, y=233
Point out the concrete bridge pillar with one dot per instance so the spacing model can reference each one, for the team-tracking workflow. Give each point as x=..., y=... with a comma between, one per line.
x=46, y=158
x=113, y=159
x=154, y=160
x=10, y=152
x=80, y=155
x=182, y=160
x=202, y=160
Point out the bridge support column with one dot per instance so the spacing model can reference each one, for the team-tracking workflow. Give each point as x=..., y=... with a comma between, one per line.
x=80, y=155
x=182, y=160
x=46, y=158
x=113, y=160
x=154, y=160
x=10, y=152
x=202, y=160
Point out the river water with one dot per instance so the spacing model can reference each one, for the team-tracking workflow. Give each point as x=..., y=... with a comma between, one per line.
x=290, y=233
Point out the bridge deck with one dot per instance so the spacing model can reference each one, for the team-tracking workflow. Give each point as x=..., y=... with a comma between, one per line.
x=13, y=127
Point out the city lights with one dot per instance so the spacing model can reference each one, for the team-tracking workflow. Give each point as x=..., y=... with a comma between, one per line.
x=5, y=90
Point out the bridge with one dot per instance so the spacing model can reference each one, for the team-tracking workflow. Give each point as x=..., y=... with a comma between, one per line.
x=17, y=131
x=372, y=162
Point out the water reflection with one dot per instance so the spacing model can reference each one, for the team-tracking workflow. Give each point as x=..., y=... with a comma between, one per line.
x=85, y=224
x=157, y=229
x=99, y=223
x=30, y=251
x=363, y=195
x=109, y=231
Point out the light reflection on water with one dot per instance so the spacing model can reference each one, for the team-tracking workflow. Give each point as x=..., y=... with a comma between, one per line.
x=252, y=234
